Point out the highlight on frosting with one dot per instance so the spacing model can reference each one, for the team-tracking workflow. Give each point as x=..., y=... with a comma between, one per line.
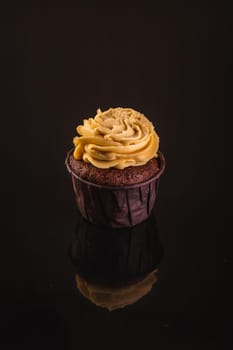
x=116, y=138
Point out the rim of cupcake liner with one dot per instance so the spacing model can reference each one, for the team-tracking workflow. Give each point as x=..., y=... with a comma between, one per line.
x=160, y=158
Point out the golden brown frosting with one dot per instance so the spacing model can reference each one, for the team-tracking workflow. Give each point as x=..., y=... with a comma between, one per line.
x=116, y=138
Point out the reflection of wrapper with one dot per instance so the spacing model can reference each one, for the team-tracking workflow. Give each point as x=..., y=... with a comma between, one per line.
x=115, y=298
x=116, y=257
x=116, y=206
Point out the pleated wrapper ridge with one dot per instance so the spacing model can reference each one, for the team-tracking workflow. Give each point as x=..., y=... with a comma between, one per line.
x=116, y=206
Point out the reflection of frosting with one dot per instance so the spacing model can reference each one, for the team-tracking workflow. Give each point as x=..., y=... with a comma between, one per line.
x=117, y=138
x=115, y=298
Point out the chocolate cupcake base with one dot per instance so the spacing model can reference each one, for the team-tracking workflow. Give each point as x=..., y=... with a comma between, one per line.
x=116, y=206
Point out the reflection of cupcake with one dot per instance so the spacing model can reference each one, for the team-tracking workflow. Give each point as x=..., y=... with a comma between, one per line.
x=115, y=167
x=116, y=267
x=113, y=257
x=116, y=298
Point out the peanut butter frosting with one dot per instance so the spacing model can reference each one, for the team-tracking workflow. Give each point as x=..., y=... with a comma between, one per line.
x=117, y=138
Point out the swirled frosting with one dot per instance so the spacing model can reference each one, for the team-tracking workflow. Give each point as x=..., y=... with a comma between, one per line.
x=116, y=138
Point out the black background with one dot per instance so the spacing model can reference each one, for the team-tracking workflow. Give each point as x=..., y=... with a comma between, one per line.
x=61, y=63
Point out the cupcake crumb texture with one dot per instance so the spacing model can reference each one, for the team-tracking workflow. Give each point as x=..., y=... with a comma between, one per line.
x=113, y=177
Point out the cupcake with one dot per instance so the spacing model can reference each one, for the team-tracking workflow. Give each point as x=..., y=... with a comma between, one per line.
x=115, y=167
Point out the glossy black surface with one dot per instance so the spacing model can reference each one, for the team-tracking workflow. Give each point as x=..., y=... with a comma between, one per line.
x=60, y=63
x=115, y=257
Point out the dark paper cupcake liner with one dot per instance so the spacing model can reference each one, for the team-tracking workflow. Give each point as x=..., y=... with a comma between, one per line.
x=116, y=206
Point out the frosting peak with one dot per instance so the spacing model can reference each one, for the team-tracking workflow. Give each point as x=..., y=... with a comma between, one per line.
x=116, y=138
